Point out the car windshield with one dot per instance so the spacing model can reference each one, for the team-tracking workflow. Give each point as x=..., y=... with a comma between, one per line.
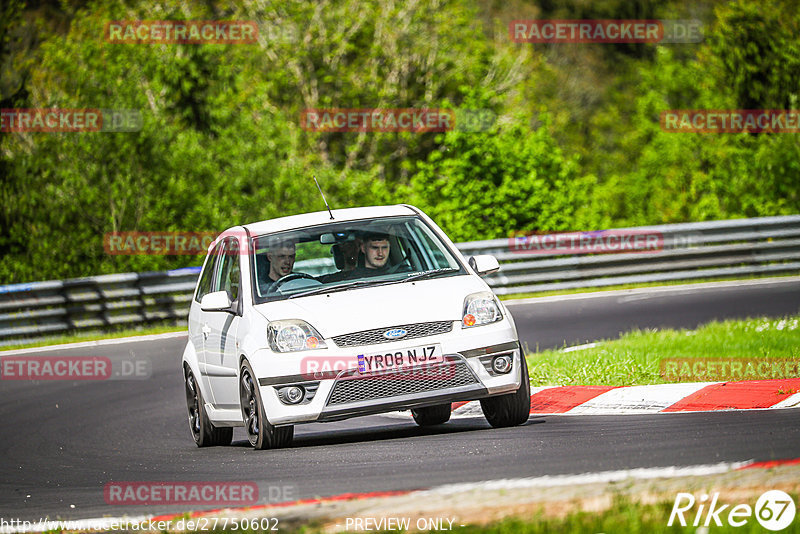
x=346, y=255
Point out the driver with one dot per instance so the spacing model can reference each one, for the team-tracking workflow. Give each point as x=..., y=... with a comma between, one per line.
x=281, y=255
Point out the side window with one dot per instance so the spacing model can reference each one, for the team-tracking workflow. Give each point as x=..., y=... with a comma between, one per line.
x=229, y=277
x=207, y=275
x=432, y=248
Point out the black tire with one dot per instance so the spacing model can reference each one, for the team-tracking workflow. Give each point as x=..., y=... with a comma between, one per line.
x=261, y=434
x=513, y=408
x=205, y=434
x=432, y=415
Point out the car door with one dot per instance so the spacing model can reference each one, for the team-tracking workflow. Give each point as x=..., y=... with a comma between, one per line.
x=198, y=329
x=221, y=347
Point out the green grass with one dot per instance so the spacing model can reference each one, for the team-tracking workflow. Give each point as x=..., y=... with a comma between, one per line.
x=640, y=285
x=624, y=516
x=635, y=358
x=97, y=335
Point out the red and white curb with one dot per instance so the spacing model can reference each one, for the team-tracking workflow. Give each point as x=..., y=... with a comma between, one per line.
x=658, y=398
x=548, y=481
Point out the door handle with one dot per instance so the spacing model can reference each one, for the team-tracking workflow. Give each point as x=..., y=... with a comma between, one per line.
x=206, y=330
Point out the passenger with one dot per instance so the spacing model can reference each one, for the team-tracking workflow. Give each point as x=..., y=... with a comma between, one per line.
x=375, y=249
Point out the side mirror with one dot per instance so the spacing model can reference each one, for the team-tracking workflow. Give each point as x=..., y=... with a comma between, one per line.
x=484, y=264
x=216, y=301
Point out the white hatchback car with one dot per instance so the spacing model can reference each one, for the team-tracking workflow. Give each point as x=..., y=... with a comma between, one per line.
x=325, y=316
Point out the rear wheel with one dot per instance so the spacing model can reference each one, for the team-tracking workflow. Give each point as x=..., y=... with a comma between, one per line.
x=260, y=433
x=205, y=434
x=432, y=415
x=513, y=408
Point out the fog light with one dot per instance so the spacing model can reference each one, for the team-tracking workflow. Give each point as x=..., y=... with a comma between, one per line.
x=293, y=394
x=501, y=364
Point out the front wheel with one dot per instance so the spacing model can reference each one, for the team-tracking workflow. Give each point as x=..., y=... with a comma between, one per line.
x=260, y=433
x=432, y=415
x=205, y=434
x=513, y=408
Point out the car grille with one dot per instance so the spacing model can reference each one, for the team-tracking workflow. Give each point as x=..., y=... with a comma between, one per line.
x=375, y=336
x=395, y=384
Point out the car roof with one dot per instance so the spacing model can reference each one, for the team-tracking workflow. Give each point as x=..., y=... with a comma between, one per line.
x=323, y=217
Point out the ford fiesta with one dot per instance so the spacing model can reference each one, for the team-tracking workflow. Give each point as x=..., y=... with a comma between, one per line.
x=330, y=315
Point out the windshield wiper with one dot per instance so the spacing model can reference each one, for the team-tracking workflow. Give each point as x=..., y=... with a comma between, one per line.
x=331, y=289
x=429, y=274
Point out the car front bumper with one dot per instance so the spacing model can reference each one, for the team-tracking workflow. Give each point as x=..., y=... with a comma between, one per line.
x=465, y=375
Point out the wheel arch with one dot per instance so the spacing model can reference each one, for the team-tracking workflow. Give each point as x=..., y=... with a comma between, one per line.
x=189, y=359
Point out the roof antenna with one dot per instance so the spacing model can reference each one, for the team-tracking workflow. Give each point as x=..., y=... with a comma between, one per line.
x=323, y=195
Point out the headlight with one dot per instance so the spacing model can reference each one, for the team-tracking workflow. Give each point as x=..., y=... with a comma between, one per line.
x=479, y=309
x=293, y=335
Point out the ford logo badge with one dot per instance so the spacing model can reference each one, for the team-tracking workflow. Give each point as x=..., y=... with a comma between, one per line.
x=395, y=333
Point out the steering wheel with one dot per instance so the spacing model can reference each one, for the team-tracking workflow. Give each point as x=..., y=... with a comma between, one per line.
x=288, y=278
x=399, y=268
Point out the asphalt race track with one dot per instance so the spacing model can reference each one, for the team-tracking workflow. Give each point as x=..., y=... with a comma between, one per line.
x=62, y=441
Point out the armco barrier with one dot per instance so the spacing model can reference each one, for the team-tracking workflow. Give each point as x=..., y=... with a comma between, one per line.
x=97, y=302
x=739, y=247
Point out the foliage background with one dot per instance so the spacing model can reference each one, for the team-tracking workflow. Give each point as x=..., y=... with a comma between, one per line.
x=577, y=142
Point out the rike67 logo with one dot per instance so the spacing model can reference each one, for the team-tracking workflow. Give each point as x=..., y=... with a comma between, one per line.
x=774, y=510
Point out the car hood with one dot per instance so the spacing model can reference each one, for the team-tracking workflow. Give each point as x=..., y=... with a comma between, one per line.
x=365, y=308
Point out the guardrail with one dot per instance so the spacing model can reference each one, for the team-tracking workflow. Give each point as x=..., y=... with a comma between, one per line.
x=739, y=247
x=98, y=302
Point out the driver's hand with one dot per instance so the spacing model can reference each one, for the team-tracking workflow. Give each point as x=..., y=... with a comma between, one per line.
x=267, y=287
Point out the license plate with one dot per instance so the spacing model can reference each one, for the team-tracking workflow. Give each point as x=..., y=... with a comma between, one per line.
x=400, y=359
